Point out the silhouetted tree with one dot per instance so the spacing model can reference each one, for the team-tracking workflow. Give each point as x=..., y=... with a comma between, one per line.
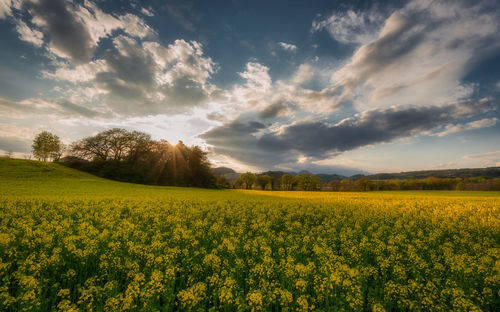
x=114, y=144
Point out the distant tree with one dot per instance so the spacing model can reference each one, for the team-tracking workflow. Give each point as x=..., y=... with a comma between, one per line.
x=248, y=179
x=308, y=182
x=334, y=186
x=265, y=182
x=364, y=184
x=287, y=182
x=46, y=146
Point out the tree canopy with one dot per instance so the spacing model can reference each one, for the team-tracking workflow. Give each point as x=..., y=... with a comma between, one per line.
x=134, y=157
x=46, y=146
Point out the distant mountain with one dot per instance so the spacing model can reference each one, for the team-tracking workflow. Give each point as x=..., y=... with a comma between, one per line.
x=491, y=172
x=223, y=170
x=325, y=178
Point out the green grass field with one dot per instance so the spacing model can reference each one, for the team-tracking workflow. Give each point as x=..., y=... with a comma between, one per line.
x=71, y=241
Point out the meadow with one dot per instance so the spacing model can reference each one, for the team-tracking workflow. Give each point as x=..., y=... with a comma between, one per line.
x=70, y=241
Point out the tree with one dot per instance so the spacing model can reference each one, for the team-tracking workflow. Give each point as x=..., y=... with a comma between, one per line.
x=308, y=182
x=265, y=182
x=364, y=184
x=287, y=181
x=114, y=144
x=46, y=146
x=248, y=179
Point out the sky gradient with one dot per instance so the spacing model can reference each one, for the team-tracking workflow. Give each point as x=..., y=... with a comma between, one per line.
x=326, y=86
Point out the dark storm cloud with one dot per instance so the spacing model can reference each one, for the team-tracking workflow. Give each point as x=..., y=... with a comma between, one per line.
x=274, y=110
x=376, y=126
x=66, y=32
x=238, y=140
x=320, y=139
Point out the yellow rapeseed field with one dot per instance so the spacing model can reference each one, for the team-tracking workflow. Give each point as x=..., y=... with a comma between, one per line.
x=120, y=247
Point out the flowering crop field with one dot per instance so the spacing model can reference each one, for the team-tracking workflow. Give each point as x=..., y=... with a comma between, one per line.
x=73, y=242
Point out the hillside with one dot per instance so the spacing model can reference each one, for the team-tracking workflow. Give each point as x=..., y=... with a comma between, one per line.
x=491, y=172
x=20, y=177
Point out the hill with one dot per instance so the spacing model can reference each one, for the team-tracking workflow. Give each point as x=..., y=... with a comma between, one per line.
x=491, y=172
x=20, y=177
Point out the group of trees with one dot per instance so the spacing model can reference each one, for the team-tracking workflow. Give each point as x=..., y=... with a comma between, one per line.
x=132, y=156
x=288, y=182
x=430, y=183
x=311, y=182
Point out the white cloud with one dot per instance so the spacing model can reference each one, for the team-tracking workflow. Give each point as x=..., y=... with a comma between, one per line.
x=288, y=46
x=76, y=74
x=5, y=8
x=351, y=26
x=102, y=24
x=478, y=124
x=419, y=56
x=147, y=12
x=29, y=35
x=484, y=159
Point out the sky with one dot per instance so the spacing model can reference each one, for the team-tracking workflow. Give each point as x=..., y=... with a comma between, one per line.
x=326, y=86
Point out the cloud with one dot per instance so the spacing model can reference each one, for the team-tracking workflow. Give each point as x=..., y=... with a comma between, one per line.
x=254, y=143
x=7, y=5
x=288, y=46
x=68, y=35
x=478, y=124
x=350, y=26
x=274, y=110
x=29, y=35
x=11, y=144
x=420, y=55
x=39, y=106
x=303, y=74
x=486, y=159
x=147, y=12
x=73, y=30
x=148, y=78
x=257, y=76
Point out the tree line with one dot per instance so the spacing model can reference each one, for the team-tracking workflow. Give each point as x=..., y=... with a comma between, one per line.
x=130, y=156
x=311, y=182
x=133, y=156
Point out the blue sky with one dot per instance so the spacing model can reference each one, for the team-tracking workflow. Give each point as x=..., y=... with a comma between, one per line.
x=325, y=86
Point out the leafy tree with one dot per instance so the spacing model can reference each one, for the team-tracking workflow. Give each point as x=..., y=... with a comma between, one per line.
x=287, y=182
x=364, y=184
x=248, y=179
x=46, y=146
x=308, y=182
x=114, y=144
x=265, y=182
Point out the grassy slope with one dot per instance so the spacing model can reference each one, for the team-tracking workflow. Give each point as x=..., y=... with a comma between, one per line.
x=19, y=177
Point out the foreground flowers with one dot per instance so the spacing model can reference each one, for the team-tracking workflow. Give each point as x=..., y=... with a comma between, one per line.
x=350, y=252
